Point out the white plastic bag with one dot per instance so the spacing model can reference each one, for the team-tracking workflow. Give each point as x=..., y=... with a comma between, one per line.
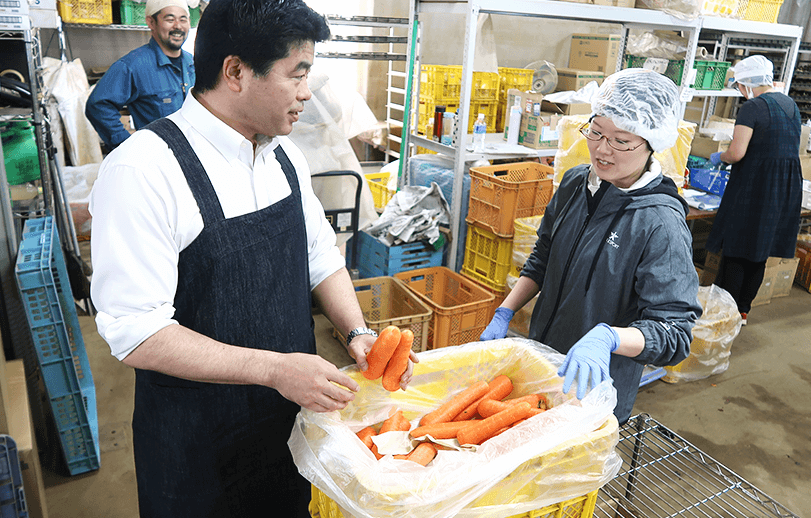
x=712, y=337
x=523, y=469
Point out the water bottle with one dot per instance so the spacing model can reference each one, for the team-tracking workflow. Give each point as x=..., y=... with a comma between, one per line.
x=447, y=128
x=515, y=124
x=479, y=131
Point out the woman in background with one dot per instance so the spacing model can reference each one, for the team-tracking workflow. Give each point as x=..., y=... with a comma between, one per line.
x=759, y=216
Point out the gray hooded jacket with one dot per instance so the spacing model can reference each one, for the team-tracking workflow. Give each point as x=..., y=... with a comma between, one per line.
x=627, y=264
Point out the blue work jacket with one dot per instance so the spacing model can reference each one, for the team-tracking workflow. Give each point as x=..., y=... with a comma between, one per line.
x=147, y=83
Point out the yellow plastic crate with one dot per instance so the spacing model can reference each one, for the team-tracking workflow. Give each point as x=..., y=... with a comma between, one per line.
x=724, y=8
x=99, y=12
x=488, y=257
x=321, y=506
x=378, y=184
x=518, y=78
x=441, y=83
x=762, y=10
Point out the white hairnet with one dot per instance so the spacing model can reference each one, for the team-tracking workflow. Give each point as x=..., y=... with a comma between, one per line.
x=754, y=71
x=643, y=102
x=153, y=6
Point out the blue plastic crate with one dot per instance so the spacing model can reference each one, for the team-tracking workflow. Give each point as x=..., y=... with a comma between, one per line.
x=375, y=259
x=12, y=495
x=51, y=312
x=712, y=180
x=651, y=374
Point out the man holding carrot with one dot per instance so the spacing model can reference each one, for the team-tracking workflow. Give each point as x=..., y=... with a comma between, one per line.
x=209, y=246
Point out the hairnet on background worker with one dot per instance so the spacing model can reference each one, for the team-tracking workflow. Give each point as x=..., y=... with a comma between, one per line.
x=759, y=215
x=613, y=257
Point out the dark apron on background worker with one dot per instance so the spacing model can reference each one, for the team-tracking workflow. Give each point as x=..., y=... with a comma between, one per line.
x=202, y=449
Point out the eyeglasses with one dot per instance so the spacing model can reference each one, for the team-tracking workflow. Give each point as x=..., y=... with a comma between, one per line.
x=618, y=144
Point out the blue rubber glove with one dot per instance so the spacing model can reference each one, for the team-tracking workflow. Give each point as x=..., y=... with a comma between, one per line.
x=497, y=328
x=715, y=158
x=589, y=358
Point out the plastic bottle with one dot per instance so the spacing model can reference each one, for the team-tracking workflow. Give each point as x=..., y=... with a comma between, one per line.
x=515, y=123
x=479, y=131
x=447, y=128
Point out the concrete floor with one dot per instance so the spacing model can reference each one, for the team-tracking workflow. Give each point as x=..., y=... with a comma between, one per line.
x=754, y=418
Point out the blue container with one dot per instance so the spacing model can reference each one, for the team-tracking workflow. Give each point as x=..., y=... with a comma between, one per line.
x=44, y=287
x=375, y=259
x=712, y=180
x=424, y=169
x=12, y=495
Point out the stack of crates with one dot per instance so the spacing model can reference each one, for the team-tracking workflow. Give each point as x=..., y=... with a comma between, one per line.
x=441, y=85
x=376, y=259
x=498, y=196
x=518, y=78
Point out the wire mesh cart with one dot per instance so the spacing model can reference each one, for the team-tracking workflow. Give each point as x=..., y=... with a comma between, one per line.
x=663, y=475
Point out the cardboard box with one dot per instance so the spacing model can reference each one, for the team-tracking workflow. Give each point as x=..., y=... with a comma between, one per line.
x=539, y=131
x=764, y=294
x=803, y=274
x=710, y=270
x=705, y=146
x=805, y=163
x=527, y=102
x=21, y=427
x=782, y=271
x=572, y=79
x=806, y=194
x=805, y=131
x=595, y=52
x=566, y=108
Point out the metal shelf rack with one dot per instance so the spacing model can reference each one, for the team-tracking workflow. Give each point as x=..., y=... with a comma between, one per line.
x=663, y=475
x=626, y=18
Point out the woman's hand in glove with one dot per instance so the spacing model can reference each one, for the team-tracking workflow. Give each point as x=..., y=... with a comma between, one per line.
x=497, y=328
x=589, y=358
x=715, y=158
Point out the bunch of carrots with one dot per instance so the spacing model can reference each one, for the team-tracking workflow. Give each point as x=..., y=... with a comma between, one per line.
x=478, y=413
x=389, y=356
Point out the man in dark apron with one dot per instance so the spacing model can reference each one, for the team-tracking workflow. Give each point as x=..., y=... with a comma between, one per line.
x=216, y=396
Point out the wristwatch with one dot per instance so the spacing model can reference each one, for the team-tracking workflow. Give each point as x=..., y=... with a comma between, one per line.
x=359, y=331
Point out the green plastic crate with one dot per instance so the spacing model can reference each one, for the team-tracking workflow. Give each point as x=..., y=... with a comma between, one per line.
x=710, y=75
x=674, y=71
x=134, y=13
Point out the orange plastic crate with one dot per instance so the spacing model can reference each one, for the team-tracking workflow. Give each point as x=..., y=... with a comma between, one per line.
x=460, y=306
x=498, y=296
x=386, y=301
x=499, y=194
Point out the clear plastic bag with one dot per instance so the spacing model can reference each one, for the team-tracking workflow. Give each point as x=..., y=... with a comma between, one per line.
x=565, y=452
x=712, y=337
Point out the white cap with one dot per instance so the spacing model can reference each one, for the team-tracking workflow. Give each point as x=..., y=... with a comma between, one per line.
x=754, y=71
x=153, y=6
x=642, y=102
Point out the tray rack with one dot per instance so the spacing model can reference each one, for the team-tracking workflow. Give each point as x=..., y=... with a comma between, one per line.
x=663, y=475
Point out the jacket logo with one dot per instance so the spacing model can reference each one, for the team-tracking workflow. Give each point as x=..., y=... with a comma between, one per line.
x=611, y=239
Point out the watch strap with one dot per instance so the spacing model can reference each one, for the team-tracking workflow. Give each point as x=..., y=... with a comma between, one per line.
x=359, y=331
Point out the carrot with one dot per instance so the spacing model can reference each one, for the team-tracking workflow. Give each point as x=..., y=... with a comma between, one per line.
x=499, y=388
x=399, y=362
x=450, y=409
x=403, y=424
x=381, y=352
x=423, y=453
x=533, y=399
x=366, y=435
x=393, y=423
x=543, y=404
x=447, y=430
x=491, y=407
x=482, y=430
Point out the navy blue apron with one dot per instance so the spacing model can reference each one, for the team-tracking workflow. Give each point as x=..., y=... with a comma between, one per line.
x=203, y=449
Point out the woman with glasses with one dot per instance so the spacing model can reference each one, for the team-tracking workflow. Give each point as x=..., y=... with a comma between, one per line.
x=613, y=261
x=759, y=214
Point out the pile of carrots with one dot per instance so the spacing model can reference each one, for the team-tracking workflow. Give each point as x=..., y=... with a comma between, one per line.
x=478, y=413
x=389, y=356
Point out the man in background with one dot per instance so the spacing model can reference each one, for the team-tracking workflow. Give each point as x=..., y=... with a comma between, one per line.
x=151, y=81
